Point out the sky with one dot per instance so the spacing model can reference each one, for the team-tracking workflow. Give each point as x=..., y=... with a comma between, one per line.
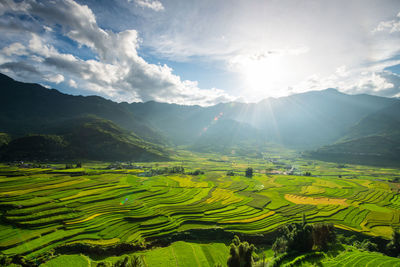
x=202, y=52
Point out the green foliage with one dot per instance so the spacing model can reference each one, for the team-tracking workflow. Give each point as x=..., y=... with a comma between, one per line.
x=196, y=172
x=249, y=172
x=303, y=237
x=170, y=170
x=393, y=247
x=4, y=260
x=230, y=173
x=4, y=139
x=130, y=261
x=365, y=245
x=69, y=166
x=323, y=235
x=83, y=138
x=241, y=253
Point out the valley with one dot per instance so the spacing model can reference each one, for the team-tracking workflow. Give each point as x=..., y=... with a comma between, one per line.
x=145, y=209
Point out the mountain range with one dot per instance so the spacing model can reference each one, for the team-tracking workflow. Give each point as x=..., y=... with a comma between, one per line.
x=323, y=124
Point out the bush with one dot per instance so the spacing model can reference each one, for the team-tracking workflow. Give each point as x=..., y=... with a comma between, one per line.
x=294, y=237
x=249, y=172
x=128, y=261
x=323, y=235
x=241, y=253
x=393, y=247
x=196, y=172
x=366, y=245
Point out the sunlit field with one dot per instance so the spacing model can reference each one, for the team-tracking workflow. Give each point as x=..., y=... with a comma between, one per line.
x=131, y=209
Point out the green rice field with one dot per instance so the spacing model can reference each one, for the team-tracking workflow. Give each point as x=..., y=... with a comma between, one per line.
x=43, y=209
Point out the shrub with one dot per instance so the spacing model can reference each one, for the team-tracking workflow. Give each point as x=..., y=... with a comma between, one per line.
x=294, y=237
x=241, y=254
x=323, y=235
x=249, y=172
x=393, y=247
x=230, y=173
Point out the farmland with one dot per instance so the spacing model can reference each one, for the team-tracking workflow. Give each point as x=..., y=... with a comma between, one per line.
x=56, y=210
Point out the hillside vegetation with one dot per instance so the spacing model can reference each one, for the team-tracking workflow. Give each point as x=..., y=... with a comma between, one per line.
x=87, y=138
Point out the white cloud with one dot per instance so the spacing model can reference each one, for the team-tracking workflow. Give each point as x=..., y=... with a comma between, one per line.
x=72, y=83
x=382, y=83
x=118, y=72
x=57, y=78
x=152, y=4
x=390, y=26
x=14, y=49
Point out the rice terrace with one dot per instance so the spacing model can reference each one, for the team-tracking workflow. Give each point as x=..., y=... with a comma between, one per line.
x=186, y=219
x=184, y=133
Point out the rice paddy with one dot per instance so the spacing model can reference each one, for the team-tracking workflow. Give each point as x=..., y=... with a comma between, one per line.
x=43, y=209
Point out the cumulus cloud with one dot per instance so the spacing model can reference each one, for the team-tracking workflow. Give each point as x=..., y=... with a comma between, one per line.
x=362, y=81
x=57, y=78
x=72, y=83
x=152, y=4
x=117, y=71
x=14, y=49
x=390, y=26
x=20, y=68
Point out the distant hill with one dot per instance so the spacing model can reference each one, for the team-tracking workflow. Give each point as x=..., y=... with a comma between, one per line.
x=370, y=150
x=86, y=138
x=324, y=122
x=374, y=140
x=385, y=122
x=30, y=108
x=302, y=121
x=223, y=135
x=4, y=139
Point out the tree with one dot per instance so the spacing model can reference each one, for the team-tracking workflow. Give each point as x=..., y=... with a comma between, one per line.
x=230, y=173
x=234, y=259
x=128, y=261
x=323, y=234
x=249, y=172
x=393, y=247
x=366, y=245
x=294, y=237
x=241, y=253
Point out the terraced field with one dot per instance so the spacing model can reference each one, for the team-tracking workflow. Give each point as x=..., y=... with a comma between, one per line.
x=42, y=209
x=356, y=258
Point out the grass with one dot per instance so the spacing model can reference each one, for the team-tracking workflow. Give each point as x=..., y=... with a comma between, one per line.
x=68, y=261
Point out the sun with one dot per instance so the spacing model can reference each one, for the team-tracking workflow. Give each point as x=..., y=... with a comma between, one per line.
x=262, y=76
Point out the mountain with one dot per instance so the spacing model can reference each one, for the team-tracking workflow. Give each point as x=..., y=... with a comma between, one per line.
x=30, y=108
x=385, y=122
x=4, y=139
x=302, y=121
x=87, y=138
x=327, y=119
x=374, y=140
x=224, y=135
x=371, y=150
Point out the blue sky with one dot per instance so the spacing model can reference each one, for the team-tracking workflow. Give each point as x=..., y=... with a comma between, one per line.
x=202, y=52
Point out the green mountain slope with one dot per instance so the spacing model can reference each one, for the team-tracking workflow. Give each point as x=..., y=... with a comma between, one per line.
x=385, y=122
x=87, y=138
x=301, y=121
x=30, y=108
x=370, y=150
x=375, y=140
x=223, y=135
